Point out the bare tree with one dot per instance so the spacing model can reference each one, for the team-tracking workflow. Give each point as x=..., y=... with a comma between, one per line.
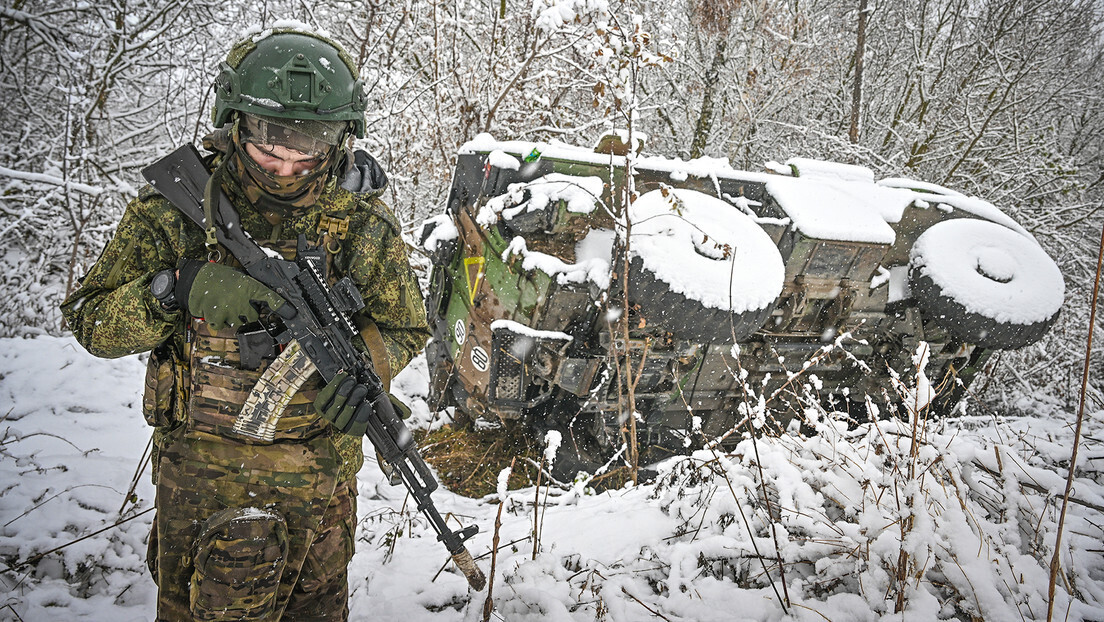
x=856, y=93
x=95, y=90
x=998, y=98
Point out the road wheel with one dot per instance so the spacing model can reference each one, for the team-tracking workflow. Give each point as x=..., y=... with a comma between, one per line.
x=985, y=283
x=700, y=268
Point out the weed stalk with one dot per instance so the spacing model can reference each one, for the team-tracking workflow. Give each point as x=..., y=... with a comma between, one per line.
x=1055, y=561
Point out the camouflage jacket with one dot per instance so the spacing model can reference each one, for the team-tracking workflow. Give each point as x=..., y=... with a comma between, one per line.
x=113, y=313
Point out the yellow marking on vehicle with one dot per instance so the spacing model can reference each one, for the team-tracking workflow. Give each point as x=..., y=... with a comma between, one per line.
x=475, y=277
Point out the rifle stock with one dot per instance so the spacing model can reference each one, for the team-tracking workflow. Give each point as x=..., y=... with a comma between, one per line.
x=322, y=330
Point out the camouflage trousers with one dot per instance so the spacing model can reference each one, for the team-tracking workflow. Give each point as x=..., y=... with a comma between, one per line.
x=251, y=532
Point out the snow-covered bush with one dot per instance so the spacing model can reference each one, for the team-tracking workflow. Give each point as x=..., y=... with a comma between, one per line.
x=950, y=519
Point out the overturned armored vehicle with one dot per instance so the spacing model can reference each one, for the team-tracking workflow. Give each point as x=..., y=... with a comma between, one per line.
x=741, y=288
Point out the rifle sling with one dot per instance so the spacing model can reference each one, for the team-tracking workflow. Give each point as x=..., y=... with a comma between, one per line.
x=372, y=337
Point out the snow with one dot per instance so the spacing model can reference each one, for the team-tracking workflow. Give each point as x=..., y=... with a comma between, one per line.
x=51, y=179
x=264, y=102
x=916, y=398
x=522, y=329
x=704, y=167
x=501, y=159
x=552, y=15
x=836, y=171
x=258, y=32
x=579, y=194
x=271, y=253
x=991, y=270
x=706, y=250
x=443, y=230
x=983, y=209
x=923, y=186
x=898, y=284
x=73, y=434
x=829, y=210
x=881, y=277
x=552, y=441
x=687, y=545
x=592, y=269
x=827, y=200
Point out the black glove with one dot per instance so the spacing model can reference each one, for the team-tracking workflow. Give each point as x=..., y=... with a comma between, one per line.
x=223, y=296
x=344, y=403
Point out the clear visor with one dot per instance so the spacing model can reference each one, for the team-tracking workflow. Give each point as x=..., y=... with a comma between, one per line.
x=313, y=138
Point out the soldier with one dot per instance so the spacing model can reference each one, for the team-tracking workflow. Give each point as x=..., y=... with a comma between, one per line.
x=247, y=529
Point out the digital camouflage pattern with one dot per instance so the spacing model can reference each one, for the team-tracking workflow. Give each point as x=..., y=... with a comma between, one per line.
x=114, y=314
x=195, y=386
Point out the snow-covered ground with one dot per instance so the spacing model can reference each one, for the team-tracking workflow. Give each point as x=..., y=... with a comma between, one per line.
x=968, y=519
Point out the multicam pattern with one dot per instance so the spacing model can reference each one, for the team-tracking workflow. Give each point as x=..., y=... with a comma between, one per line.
x=277, y=481
x=196, y=387
x=240, y=556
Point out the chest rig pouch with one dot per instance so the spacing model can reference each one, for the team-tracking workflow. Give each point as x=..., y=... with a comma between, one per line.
x=227, y=364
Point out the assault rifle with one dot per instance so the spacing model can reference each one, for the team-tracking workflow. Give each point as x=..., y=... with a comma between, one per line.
x=319, y=335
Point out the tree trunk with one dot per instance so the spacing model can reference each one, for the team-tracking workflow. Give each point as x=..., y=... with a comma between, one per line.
x=856, y=93
x=704, y=125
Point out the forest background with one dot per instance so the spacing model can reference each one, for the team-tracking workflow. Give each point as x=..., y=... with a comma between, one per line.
x=998, y=99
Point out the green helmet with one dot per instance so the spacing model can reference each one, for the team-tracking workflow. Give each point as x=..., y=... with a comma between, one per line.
x=290, y=74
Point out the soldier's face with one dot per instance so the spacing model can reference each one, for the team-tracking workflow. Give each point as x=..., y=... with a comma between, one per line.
x=282, y=161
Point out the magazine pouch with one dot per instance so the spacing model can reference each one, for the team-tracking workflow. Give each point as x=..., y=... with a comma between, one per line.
x=158, y=395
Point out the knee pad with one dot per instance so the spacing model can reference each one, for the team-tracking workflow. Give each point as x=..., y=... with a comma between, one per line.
x=239, y=558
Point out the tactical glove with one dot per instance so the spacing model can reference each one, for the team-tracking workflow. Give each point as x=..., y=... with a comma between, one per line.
x=223, y=296
x=344, y=403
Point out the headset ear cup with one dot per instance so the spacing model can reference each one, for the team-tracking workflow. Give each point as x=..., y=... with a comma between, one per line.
x=360, y=104
x=227, y=92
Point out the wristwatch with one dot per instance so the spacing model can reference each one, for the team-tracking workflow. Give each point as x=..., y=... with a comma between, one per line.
x=163, y=287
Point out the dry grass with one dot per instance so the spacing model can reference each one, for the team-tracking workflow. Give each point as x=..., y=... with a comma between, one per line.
x=468, y=461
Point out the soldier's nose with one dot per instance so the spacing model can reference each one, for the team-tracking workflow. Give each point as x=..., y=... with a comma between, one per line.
x=284, y=168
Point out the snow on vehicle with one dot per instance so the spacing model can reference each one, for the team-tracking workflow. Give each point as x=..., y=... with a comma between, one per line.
x=737, y=280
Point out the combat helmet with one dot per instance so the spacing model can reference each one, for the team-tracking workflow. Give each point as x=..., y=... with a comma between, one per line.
x=293, y=88
x=288, y=73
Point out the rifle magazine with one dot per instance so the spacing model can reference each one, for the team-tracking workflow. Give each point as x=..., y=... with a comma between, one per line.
x=272, y=393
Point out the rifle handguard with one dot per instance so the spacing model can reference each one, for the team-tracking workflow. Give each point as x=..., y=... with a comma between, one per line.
x=466, y=564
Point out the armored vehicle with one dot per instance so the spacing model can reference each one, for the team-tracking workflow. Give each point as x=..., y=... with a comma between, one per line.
x=736, y=294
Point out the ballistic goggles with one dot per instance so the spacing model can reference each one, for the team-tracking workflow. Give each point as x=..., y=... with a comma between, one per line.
x=313, y=138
